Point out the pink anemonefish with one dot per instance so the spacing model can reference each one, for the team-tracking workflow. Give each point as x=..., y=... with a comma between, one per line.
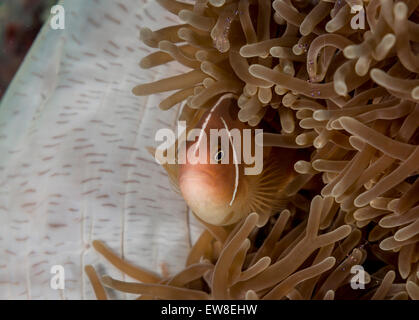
x=221, y=193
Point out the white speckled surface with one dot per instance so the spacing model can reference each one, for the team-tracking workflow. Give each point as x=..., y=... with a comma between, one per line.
x=73, y=164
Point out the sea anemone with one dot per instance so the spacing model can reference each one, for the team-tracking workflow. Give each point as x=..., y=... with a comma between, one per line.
x=347, y=96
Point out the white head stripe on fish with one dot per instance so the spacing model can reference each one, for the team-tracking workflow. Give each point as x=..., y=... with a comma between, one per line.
x=236, y=165
x=204, y=126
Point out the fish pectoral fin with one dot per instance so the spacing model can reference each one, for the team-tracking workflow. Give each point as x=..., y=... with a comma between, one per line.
x=266, y=190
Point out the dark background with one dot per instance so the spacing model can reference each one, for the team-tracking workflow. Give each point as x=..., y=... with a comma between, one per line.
x=20, y=22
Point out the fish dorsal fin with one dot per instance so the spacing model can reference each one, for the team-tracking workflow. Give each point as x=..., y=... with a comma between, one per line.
x=171, y=169
x=195, y=119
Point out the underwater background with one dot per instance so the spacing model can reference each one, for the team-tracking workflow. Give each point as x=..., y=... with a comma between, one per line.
x=74, y=165
x=20, y=22
x=79, y=116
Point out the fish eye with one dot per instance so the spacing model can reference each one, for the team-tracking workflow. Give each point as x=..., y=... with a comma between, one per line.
x=219, y=155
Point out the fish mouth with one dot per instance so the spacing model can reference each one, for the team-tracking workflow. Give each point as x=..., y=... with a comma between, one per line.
x=205, y=195
x=199, y=176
